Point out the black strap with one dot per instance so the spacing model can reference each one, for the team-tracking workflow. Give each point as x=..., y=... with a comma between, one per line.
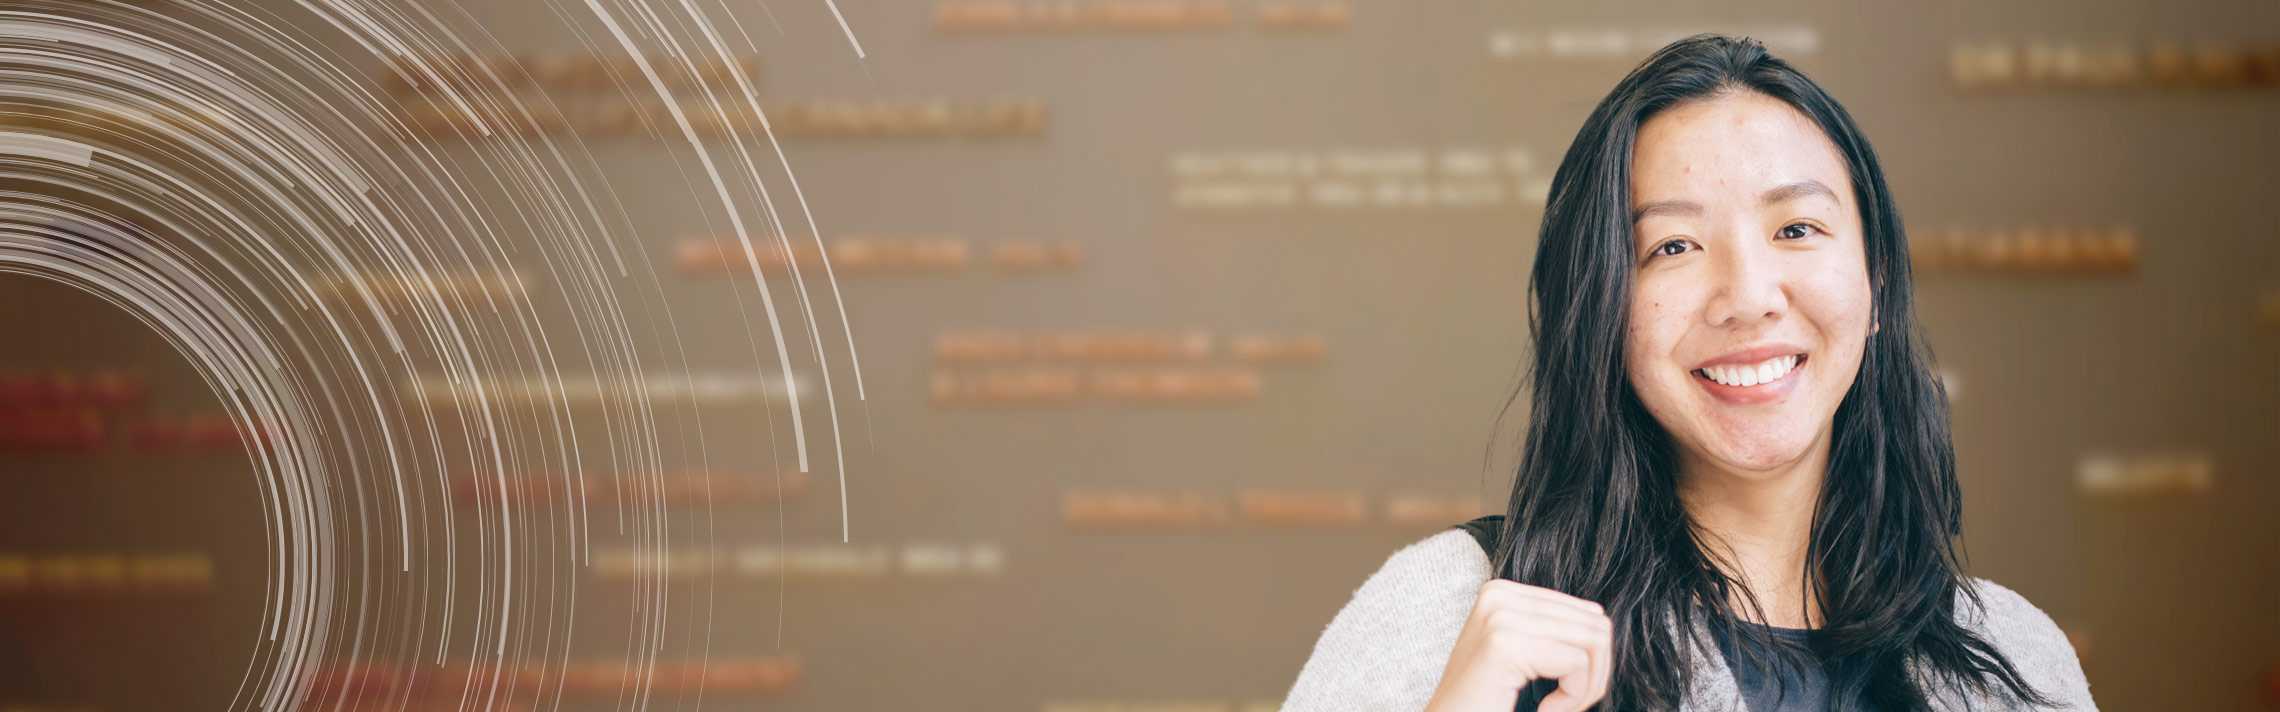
x=1484, y=531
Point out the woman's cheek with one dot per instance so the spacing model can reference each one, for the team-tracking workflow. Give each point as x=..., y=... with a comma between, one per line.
x=1840, y=300
x=1646, y=345
x=1636, y=337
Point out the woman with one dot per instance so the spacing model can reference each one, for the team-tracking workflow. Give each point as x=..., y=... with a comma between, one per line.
x=1738, y=490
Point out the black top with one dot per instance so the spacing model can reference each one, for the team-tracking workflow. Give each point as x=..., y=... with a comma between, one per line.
x=1766, y=687
x=1768, y=684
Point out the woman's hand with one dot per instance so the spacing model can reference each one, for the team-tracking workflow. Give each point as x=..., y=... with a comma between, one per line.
x=1519, y=633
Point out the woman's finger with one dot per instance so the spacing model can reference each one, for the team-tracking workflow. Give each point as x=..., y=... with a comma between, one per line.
x=1577, y=655
x=1580, y=635
x=1546, y=658
x=1579, y=691
x=1539, y=593
x=1604, y=669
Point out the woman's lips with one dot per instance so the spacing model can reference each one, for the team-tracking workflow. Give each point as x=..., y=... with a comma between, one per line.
x=1768, y=392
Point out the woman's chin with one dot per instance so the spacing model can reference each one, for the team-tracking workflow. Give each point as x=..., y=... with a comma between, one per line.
x=1761, y=457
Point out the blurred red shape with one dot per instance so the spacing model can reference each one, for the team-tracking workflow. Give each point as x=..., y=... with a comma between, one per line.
x=50, y=429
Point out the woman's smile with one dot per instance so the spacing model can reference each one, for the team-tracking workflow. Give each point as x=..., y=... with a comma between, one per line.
x=1752, y=382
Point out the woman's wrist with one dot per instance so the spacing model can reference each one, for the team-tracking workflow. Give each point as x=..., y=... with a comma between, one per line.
x=1459, y=694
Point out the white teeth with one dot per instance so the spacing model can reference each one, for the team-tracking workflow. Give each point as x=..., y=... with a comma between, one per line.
x=1767, y=371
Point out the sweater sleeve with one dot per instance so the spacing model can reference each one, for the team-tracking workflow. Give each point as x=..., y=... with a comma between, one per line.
x=1385, y=649
x=2036, y=646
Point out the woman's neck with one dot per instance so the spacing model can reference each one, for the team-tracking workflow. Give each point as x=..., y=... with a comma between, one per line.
x=1759, y=524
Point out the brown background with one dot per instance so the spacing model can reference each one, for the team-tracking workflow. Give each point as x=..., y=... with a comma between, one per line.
x=2172, y=596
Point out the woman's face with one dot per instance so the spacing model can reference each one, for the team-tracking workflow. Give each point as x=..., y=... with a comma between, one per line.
x=1751, y=303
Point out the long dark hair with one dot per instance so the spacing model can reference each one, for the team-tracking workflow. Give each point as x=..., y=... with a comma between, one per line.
x=1595, y=508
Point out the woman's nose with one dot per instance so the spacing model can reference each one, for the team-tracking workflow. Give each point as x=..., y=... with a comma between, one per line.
x=1750, y=287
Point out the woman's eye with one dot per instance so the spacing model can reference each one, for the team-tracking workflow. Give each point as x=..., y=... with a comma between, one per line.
x=1797, y=231
x=1669, y=248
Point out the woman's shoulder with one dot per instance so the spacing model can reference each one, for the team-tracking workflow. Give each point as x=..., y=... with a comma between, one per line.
x=1385, y=648
x=2004, y=614
x=2028, y=637
x=1446, y=568
x=1451, y=554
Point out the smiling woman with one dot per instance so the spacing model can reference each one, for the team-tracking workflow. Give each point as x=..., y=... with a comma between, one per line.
x=1738, y=489
x=1749, y=264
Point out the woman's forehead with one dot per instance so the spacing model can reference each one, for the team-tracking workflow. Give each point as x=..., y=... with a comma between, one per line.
x=1738, y=145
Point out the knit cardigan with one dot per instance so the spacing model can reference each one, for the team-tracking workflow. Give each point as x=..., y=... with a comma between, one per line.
x=1384, y=651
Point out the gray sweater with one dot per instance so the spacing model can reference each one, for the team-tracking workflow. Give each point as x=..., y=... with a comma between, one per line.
x=1384, y=651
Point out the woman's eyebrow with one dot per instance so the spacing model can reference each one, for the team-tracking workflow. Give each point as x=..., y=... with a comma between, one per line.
x=1785, y=192
x=1799, y=189
x=1666, y=207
